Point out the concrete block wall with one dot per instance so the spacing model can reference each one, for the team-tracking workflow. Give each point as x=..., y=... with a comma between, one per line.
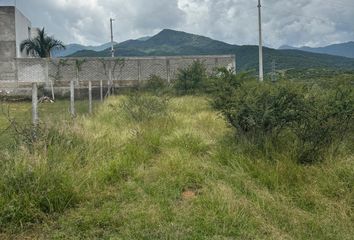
x=122, y=72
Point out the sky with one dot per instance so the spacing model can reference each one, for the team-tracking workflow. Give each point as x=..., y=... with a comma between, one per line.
x=285, y=22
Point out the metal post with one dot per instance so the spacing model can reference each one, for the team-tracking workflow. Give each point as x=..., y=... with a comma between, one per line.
x=90, y=97
x=34, y=104
x=72, y=98
x=260, y=42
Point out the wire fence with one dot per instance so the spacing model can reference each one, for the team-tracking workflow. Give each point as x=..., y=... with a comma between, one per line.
x=102, y=73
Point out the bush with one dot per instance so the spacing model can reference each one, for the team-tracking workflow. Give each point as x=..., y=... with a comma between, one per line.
x=326, y=121
x=312, y=119
x=156, y=85
x=144, y=107
x=192, y=79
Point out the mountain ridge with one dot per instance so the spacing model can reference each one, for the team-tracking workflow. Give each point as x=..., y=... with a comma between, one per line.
x=75, y=47
x=177, y=43
x=345, y=49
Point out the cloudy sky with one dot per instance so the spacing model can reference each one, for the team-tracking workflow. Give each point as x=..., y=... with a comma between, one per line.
x=291, y=22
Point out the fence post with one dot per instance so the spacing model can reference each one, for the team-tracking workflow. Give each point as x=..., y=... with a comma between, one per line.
x=34, y=104
x=101, y=90
x=72, y=98
x=47, y=78
x=90, y=97
x=168, y=70
x=109, y=78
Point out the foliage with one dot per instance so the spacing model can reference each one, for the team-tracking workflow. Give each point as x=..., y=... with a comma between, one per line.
x=41, y=45
x=187, y=178
x=326, y=120
x=191, y=79
x=156, y=85
x=318, y=118
x=78, y=64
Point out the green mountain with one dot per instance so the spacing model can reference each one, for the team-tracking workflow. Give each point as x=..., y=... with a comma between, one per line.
x=176, y=43
x=73, y=48
x=341, y=49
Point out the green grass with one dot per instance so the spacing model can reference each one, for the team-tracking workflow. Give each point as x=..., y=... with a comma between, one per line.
x=107, y=176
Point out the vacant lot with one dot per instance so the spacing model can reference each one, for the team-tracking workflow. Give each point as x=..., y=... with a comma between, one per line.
x=175, y=172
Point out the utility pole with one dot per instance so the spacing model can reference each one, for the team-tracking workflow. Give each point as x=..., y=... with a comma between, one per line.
x=260, y=42
x=112, y=43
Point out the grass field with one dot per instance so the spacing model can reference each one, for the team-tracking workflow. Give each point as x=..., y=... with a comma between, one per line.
x=176, y=175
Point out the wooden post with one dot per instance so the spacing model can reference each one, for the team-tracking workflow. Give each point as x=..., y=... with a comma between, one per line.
x=72, y=98
x=34, y=104
x=90, y=97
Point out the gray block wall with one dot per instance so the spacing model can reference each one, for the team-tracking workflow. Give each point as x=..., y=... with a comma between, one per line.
x=122, y=72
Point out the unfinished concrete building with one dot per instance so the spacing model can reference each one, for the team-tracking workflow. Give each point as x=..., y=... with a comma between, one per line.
x=14, y=28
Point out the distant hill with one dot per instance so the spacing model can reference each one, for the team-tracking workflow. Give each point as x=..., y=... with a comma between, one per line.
x=73, y=48
x=341, y=49
x=176, y=43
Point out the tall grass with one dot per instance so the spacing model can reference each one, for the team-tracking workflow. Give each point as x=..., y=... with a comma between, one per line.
x=175, y=175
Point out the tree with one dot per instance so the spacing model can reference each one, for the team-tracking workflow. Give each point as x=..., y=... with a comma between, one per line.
x=42, y=45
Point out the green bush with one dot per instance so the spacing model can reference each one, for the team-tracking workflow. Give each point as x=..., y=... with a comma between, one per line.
x=191, y=79
x=326, y=121
x=309, y=119
x=156, y=85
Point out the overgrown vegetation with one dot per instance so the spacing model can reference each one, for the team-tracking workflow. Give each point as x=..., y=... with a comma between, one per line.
x=152, y=165
x=310, y=120
x=288, y=115
x=191, y=79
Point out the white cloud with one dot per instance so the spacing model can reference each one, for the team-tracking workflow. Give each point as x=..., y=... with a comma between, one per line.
x=294, y=22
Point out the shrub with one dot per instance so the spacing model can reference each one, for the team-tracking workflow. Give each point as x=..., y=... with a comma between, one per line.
x=156, y=85
x=222, y=86
x=191, y=79
x=315, y=118
x=144, y=107
x=326, y=121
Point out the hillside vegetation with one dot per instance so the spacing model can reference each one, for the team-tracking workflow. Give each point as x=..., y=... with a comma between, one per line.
x=176, y=43
x=156, y=165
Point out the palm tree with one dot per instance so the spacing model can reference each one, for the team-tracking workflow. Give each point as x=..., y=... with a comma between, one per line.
x=42, y=45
